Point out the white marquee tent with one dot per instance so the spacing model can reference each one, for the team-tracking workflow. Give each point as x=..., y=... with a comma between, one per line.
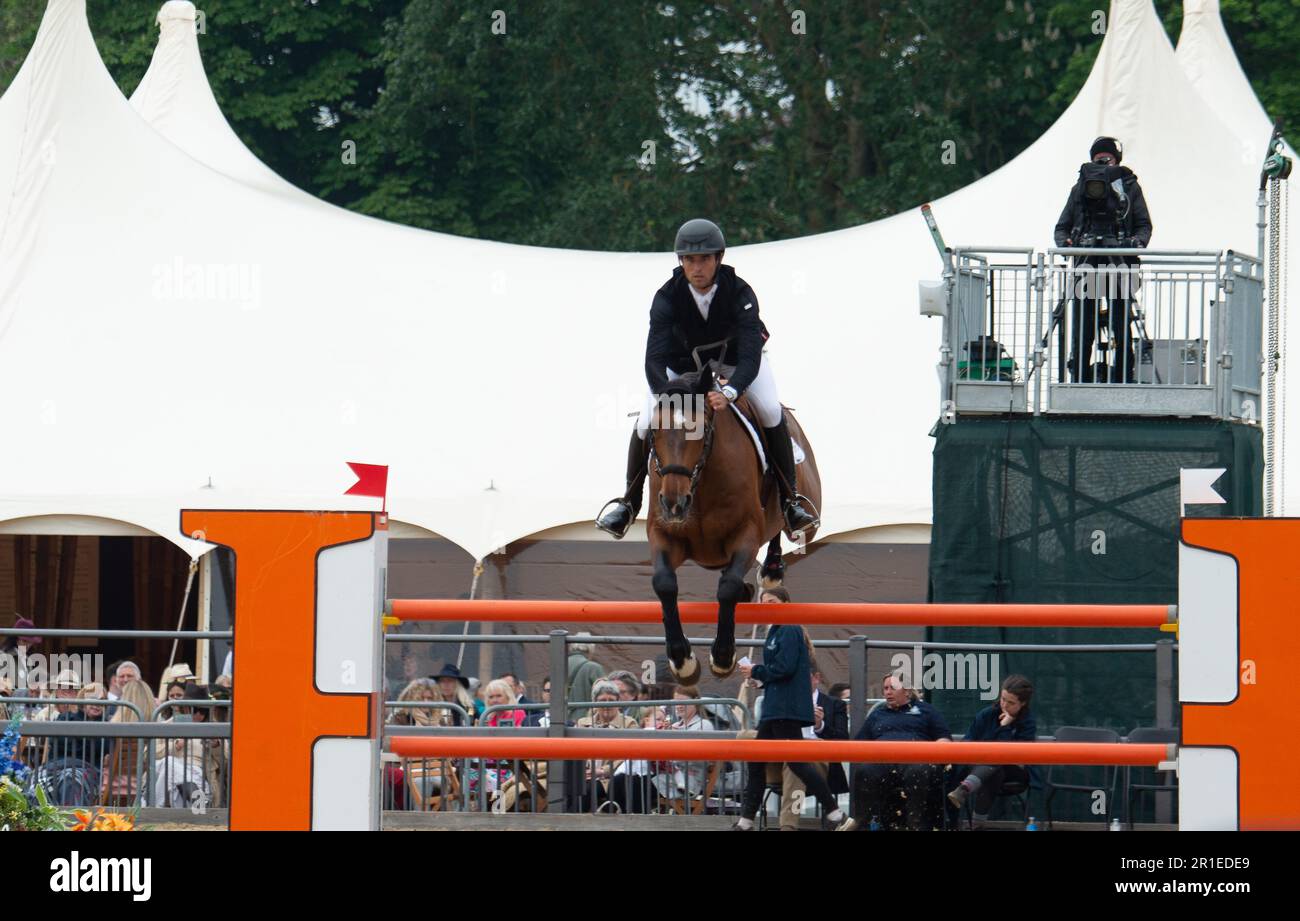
x=179, y=327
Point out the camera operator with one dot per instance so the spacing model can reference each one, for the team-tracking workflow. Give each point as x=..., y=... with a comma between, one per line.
x=1106, y=209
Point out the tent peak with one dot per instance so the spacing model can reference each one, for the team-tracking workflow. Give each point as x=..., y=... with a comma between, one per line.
x=176, y=11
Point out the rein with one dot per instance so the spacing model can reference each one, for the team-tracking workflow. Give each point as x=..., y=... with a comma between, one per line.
x=678, y=469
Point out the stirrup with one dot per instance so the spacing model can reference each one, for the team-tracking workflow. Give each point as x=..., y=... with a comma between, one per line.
x=804, y=504
x=631, y=517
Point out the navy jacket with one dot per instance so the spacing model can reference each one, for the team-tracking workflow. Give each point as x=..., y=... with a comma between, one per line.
x=786, y=675
x=733, y=330
x=917, y=722
x=986, y=728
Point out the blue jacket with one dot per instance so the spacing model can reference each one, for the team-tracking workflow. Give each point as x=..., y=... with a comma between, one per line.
x=985, y=727
x=786, y=675
x=1024, y=728
x=918, y=722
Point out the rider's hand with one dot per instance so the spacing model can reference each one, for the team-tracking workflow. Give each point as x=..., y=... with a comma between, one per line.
x=718, y=400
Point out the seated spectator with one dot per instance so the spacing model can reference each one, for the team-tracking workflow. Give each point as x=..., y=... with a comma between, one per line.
x=600, y=774
x=681, y=779
x=136, y=693
x=1007, y=720
x=496, y=774
x=455, y=690
x=179, y=671
x=840, y=691
x=476, y=694
x=421, y=690
x=175, y=691
x=544, y=716
x=119, y=676
x=181, y=774
x=499, y=693
x=903, y=717
x=71, y=772
x=532, y=715
x=629, y=691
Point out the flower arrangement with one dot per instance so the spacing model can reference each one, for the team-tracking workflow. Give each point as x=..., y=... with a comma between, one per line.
x=20, y=810
x=98, y=820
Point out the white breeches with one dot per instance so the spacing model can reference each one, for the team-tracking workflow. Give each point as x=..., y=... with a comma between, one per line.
x=762, y=394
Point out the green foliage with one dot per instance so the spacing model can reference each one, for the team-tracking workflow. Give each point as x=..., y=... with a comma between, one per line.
x=778, y=117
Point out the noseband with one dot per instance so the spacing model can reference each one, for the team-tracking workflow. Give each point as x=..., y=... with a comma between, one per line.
x=678, y=469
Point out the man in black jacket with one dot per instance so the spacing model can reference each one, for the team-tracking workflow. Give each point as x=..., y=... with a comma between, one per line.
x=1106, y=208
x=706, y=315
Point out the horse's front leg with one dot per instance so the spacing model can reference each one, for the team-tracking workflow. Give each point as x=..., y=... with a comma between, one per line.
x=681, y=660
x=732, y=590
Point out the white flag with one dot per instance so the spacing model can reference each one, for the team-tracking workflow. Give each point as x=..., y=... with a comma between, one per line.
x=1196, y=487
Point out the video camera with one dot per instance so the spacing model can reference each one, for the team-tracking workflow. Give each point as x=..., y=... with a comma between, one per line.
x=1105, y=208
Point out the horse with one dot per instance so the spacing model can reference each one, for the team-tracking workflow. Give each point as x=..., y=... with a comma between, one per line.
x=711, y=502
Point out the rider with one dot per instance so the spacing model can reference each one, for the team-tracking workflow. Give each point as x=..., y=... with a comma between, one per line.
x=704, y=313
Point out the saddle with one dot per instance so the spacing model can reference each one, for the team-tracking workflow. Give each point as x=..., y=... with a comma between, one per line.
x=744, y=410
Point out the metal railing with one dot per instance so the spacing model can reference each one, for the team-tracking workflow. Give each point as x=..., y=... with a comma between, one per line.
x=1110, y=331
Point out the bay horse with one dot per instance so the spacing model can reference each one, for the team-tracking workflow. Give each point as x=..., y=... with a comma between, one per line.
x=711, y=502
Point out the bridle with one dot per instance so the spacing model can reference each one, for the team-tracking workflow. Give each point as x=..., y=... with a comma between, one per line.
x=678, y=469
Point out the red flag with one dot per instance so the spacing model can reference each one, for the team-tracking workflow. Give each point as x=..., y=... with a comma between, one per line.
x=372, y=480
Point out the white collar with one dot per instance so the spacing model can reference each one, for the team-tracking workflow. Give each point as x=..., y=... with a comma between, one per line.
x=703, y=300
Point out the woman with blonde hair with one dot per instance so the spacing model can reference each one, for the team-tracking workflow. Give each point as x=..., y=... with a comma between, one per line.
x=421, y=690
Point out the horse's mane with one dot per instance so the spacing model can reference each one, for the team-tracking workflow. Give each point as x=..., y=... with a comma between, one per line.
x=688, y=384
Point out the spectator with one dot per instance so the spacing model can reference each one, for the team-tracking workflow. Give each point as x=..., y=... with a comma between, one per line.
x=499, y=693
x=629, y=691
x=455, y=690
x=840, y=691
x=1007, y=720
x=179, y=671
x=583, y=672
x=544, y=716
x=532, y=714
x=70, y=775
x=830, y=722
x=136, y=693
x=903, y=717
x=175, y=691
x=681, y=779
x=421, y=690
x=118, y=677
x=92, y=749
x=65, y=686
x=786, y=676
x=181, y=774
x=476, y=694
x=600, y=774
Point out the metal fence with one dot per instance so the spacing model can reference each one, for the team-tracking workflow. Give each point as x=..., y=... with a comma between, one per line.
x=183, y=765
x=1108, y=331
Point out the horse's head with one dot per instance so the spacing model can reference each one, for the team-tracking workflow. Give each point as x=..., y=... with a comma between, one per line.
x=681, y=429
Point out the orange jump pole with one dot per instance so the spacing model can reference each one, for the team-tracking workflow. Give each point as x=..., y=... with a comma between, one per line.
x=650, y=748
x=806, y=613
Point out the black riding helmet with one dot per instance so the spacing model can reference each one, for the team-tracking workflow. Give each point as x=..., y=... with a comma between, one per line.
x=699, y=236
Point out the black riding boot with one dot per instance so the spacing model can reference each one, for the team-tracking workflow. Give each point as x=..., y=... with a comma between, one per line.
x=618, y=519
x=781, y=453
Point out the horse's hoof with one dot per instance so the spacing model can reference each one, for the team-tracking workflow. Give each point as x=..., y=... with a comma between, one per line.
x=722, y=672
x=689, y=674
